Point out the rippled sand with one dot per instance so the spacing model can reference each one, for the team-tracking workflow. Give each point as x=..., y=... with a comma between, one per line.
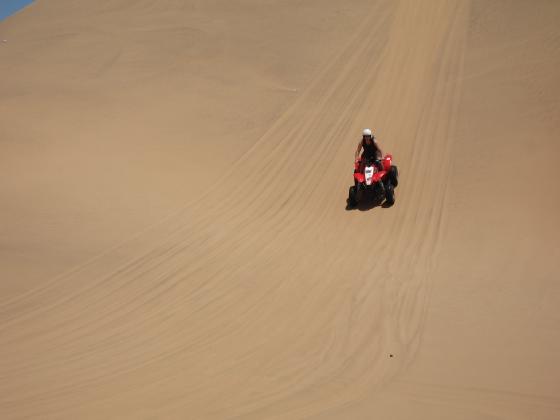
x=174, y=242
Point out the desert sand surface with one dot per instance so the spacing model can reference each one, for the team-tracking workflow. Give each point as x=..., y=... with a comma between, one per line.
x=174, y=242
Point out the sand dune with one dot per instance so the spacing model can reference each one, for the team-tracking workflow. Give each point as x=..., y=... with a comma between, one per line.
x=176, y=243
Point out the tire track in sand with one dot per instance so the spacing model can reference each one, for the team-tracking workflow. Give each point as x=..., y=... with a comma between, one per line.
x=280, y=307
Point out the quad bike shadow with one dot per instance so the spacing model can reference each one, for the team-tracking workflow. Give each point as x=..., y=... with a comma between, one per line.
x=374, y=184
x=366, y=204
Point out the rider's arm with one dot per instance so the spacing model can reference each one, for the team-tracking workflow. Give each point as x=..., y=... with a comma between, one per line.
x=358, y=150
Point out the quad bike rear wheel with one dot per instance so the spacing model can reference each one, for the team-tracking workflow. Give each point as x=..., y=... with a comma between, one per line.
x=394, y=175
x=389, y=194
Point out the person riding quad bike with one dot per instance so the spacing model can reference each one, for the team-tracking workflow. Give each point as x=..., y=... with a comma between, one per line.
x=371, y=150
x=375, y=176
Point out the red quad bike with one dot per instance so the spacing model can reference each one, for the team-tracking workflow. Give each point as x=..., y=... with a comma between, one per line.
x=375, y=179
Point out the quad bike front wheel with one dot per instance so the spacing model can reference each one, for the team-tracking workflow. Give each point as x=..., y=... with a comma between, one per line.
x=352, y=196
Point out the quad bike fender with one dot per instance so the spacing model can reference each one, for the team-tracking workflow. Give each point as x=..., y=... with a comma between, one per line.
x=378, y=176
x=387, y=162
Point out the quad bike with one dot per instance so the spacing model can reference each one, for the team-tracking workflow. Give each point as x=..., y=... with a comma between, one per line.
x=374, y=179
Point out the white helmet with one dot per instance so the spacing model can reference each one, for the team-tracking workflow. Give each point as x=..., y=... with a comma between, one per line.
x=366, y=132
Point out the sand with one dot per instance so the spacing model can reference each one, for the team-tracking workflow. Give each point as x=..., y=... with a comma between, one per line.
x=174, y=240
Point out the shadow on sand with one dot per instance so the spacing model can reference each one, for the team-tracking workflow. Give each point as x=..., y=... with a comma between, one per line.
x=367, y=204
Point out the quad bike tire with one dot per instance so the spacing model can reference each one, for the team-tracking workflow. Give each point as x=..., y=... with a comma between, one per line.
x=389, y=194
x=352, y=197
x=394, y=175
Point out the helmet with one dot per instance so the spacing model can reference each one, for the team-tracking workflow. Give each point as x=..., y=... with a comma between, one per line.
x=366, y=132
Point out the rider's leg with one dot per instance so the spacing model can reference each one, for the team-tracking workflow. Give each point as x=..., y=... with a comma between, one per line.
x=362, y=164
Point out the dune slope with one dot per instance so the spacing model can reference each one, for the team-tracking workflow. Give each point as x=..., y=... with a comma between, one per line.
x=245, y=289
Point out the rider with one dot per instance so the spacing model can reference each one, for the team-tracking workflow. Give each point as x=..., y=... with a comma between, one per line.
x=370, y=146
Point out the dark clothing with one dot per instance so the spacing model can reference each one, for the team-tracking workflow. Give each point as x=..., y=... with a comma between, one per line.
x=370, y=150
x=362, y=167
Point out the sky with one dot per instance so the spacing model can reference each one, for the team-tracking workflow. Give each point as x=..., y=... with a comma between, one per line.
x=8, y=7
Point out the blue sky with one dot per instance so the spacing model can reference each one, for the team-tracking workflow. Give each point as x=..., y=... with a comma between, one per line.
x=8, y=7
